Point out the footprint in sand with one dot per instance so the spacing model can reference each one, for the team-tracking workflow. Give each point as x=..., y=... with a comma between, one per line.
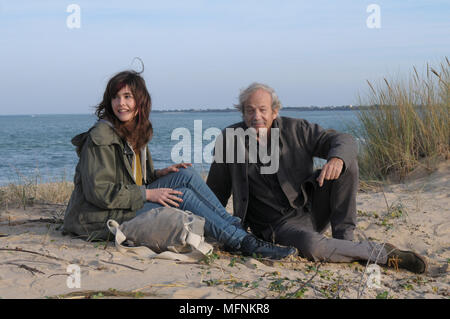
x=442, y=230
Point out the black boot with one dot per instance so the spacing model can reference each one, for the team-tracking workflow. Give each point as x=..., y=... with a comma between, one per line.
x=405, y=259
x=252, y=245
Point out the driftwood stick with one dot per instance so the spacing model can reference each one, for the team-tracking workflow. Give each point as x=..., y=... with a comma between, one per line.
x=18, y=249
x=88, y=294
x=40, y=220
x=67, y=274
x=30, y=269
x=130, y=267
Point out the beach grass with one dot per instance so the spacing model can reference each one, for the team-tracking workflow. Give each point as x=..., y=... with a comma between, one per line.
x=26, y=192
x=404, y=124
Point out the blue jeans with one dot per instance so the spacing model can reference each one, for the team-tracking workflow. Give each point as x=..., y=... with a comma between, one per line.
x=200, y=200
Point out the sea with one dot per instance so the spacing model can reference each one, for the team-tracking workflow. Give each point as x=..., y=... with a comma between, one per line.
x=38, y=148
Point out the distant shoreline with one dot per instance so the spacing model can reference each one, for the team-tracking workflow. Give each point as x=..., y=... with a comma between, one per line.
x=288, y=108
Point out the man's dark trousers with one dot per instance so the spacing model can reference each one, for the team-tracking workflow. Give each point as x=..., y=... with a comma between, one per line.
x=334, y=203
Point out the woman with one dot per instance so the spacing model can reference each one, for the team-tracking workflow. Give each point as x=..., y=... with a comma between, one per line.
x=115, y=179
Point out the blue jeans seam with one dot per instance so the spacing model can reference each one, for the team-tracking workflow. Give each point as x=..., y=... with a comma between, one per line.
x=204, y=200
x=225, y=230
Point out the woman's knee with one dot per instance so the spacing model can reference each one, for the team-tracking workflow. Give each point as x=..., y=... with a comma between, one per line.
x=186, y=173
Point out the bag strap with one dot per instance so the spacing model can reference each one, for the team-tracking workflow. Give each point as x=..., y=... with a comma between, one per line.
x=200, y=247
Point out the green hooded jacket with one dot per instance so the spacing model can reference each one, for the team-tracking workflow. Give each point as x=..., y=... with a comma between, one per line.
x=105, y=186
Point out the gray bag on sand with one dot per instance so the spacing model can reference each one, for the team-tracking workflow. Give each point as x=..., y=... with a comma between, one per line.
x=163, y=232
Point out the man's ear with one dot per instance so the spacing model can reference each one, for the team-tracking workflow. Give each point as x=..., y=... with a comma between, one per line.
x=275, y=114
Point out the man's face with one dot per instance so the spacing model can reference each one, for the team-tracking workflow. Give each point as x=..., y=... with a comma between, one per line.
x=258, y=111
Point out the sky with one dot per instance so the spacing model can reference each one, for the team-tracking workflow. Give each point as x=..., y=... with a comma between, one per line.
x=199, y=54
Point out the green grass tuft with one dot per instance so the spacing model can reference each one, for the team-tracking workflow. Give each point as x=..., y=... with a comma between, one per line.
x=405, y=124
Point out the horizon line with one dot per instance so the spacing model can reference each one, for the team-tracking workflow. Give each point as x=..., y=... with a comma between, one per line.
x=300, y=108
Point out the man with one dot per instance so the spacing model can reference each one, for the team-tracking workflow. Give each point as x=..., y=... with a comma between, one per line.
x=294, y=205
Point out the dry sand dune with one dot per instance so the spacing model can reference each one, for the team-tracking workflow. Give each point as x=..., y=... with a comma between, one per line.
x=34, y=257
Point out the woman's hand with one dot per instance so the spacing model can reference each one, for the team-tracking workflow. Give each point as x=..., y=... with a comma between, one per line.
x=172, y=168
x=164, y=196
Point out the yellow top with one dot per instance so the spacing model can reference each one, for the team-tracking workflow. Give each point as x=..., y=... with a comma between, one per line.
x=138, y=169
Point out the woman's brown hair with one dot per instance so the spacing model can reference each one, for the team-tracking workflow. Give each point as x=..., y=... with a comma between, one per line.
x=139, y=131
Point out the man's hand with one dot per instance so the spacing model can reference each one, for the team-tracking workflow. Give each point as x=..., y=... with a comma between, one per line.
x=163, y=196
x=331, y=170
x=170, y=169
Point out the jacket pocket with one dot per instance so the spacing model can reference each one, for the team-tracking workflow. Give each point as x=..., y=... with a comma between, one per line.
x=91, y=215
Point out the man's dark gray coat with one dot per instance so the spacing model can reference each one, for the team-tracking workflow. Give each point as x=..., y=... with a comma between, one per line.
x=300, y=141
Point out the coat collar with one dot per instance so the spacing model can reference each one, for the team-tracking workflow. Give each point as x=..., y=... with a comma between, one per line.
x=128, y=152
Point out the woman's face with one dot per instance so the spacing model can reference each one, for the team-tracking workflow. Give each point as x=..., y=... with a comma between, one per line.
x=124, y=105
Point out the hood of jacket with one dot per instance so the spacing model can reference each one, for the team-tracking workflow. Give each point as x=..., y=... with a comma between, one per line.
x=102, y=133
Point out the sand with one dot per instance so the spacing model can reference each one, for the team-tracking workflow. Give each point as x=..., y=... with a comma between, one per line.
x=35, y=257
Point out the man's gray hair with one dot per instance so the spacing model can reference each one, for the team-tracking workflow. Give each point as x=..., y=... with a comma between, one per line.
x=245, y=94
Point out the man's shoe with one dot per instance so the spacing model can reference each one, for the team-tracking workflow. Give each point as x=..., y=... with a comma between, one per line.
x=252, y=245
x=405, y=259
